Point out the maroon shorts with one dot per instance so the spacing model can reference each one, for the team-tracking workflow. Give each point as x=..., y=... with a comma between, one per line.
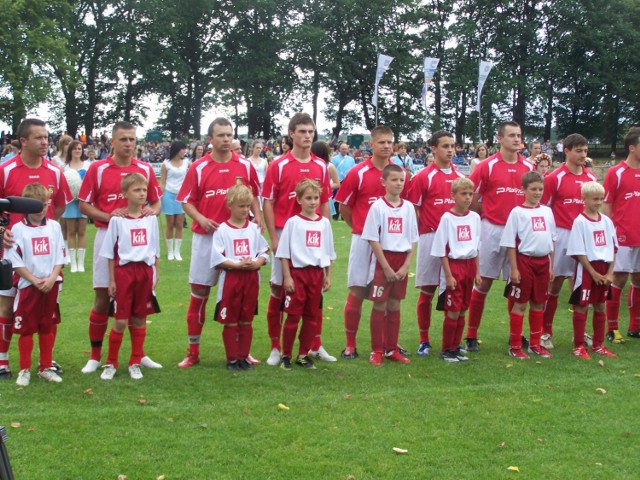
x=585, y=290
x=380, y=289
x=239, y=297
x=134, y=285
x=36, y=311
x=534, y=280
x=464, y=271
x=307, y=298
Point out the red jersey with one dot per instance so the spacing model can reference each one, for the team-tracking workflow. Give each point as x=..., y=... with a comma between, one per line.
x=500, y=185
x=101, y=185
x=207, y=181
x=622, y=192
x=280, y=184
x=15, y=175
x=430, y=190
x=360, y=189
x=562, y=192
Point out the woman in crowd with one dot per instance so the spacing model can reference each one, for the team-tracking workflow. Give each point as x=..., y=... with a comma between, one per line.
x=198, y=152
x=172, y=175
x=75, y=167
x=482, y=152
x=321, y=149
x=542, y=162
x=259, y=163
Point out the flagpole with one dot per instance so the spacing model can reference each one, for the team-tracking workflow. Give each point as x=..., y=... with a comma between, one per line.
x=376, y=105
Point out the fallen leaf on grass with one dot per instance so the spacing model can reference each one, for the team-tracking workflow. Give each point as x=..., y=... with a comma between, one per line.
x=601, y=363
x=348, y=395
x=142, y=402
x=170, y=420
x=282, y=407
x=400, y=451
x=509, y=365
x=502, y=445
x=122, y=477
x=538, y=362
x=513, y=469
x=409, y=375
x=160, y=477
x=637, y=375
x=536, y=400
x=627, y=434
x=329, y=308
x=602, y=391
x=203, y=426
x=181, y=304
x=245, y=411
x=598, y=464
x=426, y=375
x=31, y=429
x=340, y=374
x=327, y=318
x=541, y=440
x=88, y=391
x=411, y=275
x=16, y=424
x=87, y=352
x=351, y=477
x=149, y=321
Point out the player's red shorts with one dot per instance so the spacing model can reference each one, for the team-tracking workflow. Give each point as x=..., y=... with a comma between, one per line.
x=464, y=271
x=585, y=290
x=380, y=289
x=307, y=298
x=239, y=299
x=36, y=311
x=534, y=280
x=134, y=285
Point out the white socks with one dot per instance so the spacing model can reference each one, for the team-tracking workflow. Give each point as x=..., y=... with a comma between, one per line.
x=176, y=249
x=170, y=248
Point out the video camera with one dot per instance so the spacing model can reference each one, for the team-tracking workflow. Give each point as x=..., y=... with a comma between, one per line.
x=5, y=467
x=12, y=205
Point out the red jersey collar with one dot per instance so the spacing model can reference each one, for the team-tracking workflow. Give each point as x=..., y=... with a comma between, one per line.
x=384, y=199
x=246, y=224
x=591, y=219
x=320, y=217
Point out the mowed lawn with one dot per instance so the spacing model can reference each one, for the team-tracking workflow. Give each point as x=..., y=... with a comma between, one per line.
x=471, y=420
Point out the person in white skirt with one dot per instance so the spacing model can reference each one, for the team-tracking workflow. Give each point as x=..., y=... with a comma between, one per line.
x=172, y=174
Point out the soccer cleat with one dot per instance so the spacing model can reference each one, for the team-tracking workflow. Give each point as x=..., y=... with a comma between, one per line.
x=546, y=342
x=518, y=353
x=146, y=362
x=81, y=268
x=402, y=351
x=322, y=354
x=305, y=362
x=633, y=333
x=449, y=356
x=472, y=345
x=604, y=351
x=424, y=349
x=460, y=350
x=285, y=363
x=252, y=361
x=189, y=361
x=588, y=341
x=396, y=356
x=50, y=375
x=177, y=256
x=134, y=372
x=581, y=352
x=91, y=366
x=350, y=353
x=462, y=357
x=614, y=336
x=108, y=373
x=245, y=364
x=74, y=268
x=540, y=351
x=525, y=342
x=375, y=358
x=5, y=373
x=24, y=377
x=170, y=256
x=274, y=358
x=55, y=366
x=233, y=366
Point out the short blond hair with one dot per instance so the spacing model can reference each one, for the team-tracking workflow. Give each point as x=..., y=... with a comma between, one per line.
x=131, y=179
x=305, y=185
x=237, y=194
x=591, y=188
x=37, y=191
x=460, y=183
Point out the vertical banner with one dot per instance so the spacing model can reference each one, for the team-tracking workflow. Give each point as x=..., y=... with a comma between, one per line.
x=485, y=68
x=383, y=64
x=430, y=66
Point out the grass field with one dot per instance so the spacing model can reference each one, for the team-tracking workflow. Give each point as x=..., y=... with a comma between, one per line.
x=471, y=420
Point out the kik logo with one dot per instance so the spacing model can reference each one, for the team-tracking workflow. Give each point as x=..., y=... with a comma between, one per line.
x=394, y=225
x=139, y=237
x=241, y=247
x=464, y=233
x=599, y=239
x=313, y=239
x=538, y=224
x=40, y=246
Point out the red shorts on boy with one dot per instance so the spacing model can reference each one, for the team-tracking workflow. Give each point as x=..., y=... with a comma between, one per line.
x=464, y=271
x=239, y=297
x=307, y=298
x=534, y=280
x=36, y=311
x=585, y=289
x=380, y=288
x=134, y=285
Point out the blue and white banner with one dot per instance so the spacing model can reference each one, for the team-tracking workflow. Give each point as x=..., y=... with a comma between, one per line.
x=430, y=66
x=485, y=68
x=383, y=64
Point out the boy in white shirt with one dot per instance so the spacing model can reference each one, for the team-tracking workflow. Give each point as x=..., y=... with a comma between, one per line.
x=391, y=228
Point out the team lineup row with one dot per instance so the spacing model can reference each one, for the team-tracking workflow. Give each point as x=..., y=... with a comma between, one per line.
x=496, y=190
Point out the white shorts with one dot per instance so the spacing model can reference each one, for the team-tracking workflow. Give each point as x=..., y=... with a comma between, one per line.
x=361, y=262
x=627, y=260
x=200, y=270
x=427, y=266
x=563, y=265
x=100, y=264
x=493, y=257
x=276, y=265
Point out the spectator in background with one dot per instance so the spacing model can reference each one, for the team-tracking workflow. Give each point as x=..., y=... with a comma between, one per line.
x=12, y=150
x=535, y=149
x=343, y=161
x=482, y=152
x=321, y=149
x=459, y=158
x=198, y=152
x=403, y=160
x=172, y=174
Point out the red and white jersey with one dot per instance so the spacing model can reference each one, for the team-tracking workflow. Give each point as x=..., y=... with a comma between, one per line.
x=430, y=190
x=500, y=185
x=38, y=248
x=594, y=238
x=360, y=188
x=307, y=243
x=132, y=240
x=457, y=236
x=15, y=175
x=101, y=185
x=622, y=192
x=207, y=181
x=531, y=230
x=233, y=244
x=280, y=183
x=562, y=192
x=396, y=228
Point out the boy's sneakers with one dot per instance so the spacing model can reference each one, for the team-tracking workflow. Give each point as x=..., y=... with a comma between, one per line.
x=5, y=372
x=305, y=362
x=540, y=351
x=274, y=358
x=252, y=361
x=588, y=341
x=245, y=364
x=450, y=356
x=581, y=352
x=375, y=358
x=233, y=366
x=285, y=363
x=633, y=333
x=461, y=354
x=146, y=362
x=24, y=377
x=518, y=353
x=50, y=375
x=134, y=372
x=603, y=351
x=322, y=354
x=91, y=366
x=350, y=353
x=402, y=351
x=108, y=373
x=189, y=361
x=396, y=356
x=55, y=366
x=614, y=336
x=472, y=345
x=424, y=349
x=546, y=342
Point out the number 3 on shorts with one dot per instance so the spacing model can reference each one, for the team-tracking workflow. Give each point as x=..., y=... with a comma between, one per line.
x=515, y=291
x=17, y=323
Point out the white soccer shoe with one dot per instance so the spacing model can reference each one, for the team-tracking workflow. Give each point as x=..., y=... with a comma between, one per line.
x=91, y=366
x=274, y=358
x=146, y=362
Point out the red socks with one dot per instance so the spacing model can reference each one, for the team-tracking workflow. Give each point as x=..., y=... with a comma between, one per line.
x=98, y=323
x=6, y=331
x=613, y=308
x=515, y=330
x=535, y=326
x=352, y=313
x=115, y=342
x=579, y=327
x=46, y=342
x=423, y=312
x=377, y=330
x=245, y=335
x=316, y=342
x=459, y=331
x=599, y=323
x=307, y=333
x=549, y=313
x=25, y=348
x=137, y=344
x=392, y=330
x=274, y=321
x=196, y=315
x=634, y=308
x=289, y=334
x=476, y=308
x=230, y=340
x=449, y=329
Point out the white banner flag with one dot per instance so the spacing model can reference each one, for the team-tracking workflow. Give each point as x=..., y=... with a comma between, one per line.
x=383, y=64
x=430, y=66
x=485, y=68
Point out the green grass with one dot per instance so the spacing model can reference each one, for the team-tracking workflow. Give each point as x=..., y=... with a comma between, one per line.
x=463, y=421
